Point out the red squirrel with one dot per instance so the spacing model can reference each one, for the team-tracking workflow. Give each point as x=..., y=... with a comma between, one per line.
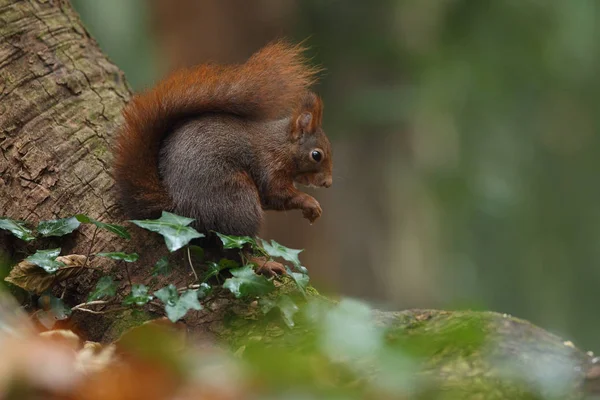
x=220, y=144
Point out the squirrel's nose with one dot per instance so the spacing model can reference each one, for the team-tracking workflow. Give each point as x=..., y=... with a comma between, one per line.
x=327, y=182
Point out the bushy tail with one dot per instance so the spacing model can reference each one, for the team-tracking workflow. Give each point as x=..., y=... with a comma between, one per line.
x=268, y=86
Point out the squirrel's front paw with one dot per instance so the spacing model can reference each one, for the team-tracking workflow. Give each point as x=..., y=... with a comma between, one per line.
x=311, y=209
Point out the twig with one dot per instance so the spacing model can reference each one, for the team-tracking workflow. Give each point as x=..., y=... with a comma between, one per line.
x=189, y=287
x=87, y=257
x=102, y=312
x=127, y=272
x=243, y=258
x=128, y=276
x=192, y=265
x=81, y=307
x=90, y=303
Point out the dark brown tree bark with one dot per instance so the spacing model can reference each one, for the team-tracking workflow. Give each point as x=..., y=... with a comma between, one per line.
x=60, y=101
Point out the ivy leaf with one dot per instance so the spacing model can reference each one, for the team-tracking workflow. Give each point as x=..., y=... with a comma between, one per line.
x=167, y=294
x=35, y=279
x=174, y=229
x=197, y=252
x=46, y=259
x=53, y=310
x=235, y=242
x=204, y=290
x=17, y=228
x=105, y=287
x=300, y=279
x=120, y=256
x=246, y=282
x=175, y=219
x=138, y=296
x=275, y=249
x=286, y=307
x=215, y=269
x=266, y=305
x=58, y=227
x=162, y=267
x=225, y=263
x=175, y=306
x=116, y=229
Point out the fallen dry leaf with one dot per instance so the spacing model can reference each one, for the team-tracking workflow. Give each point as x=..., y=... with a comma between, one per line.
x=35, y=279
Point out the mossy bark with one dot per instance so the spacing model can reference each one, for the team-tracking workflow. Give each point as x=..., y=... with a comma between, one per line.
x=60, y=101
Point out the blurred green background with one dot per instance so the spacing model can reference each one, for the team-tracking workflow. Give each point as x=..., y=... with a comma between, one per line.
x=465, y=141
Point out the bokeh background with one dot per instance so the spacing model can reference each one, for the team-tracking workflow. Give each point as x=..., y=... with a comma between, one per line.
x=465, y=138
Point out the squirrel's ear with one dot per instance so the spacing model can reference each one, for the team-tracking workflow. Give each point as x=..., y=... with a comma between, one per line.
x=303, y=121
x=303, y=124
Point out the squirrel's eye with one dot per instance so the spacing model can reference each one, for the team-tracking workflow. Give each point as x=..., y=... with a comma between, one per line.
x=316, y=155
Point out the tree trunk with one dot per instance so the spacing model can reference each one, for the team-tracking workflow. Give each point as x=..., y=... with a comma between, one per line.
x=60, y=103
x=61, y=99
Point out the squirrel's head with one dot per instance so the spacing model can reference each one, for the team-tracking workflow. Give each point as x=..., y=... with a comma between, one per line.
x=313, y=162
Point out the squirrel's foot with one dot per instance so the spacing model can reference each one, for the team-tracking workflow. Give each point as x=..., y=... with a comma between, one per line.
x=266, y=267
x=270, y=268
x=311, y=209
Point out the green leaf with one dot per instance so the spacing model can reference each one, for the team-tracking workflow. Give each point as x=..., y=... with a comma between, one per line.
x=116, y=229
x=246, y=282
x=204, y=290
x=286, y=306
x=175, y=219
x=162, y=267
x=174, y=229
x=300, y=279
x=197, y=252
x=138, y=296
x=266, y=305
x=235, y=242
x=46, y=259
x=288, y=309
x=215, y=269
x=17, y=228
x=105, y=287
x=118, y=255
x=54, y=310
x=176, y=307
x=58, y=227
x=225, y=263
x=167, y=294
x=275, y=249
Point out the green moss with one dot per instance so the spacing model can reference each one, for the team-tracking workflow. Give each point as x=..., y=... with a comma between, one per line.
x=124, y=321
x=460, y=355
x=485, y=355
x=99, y=149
